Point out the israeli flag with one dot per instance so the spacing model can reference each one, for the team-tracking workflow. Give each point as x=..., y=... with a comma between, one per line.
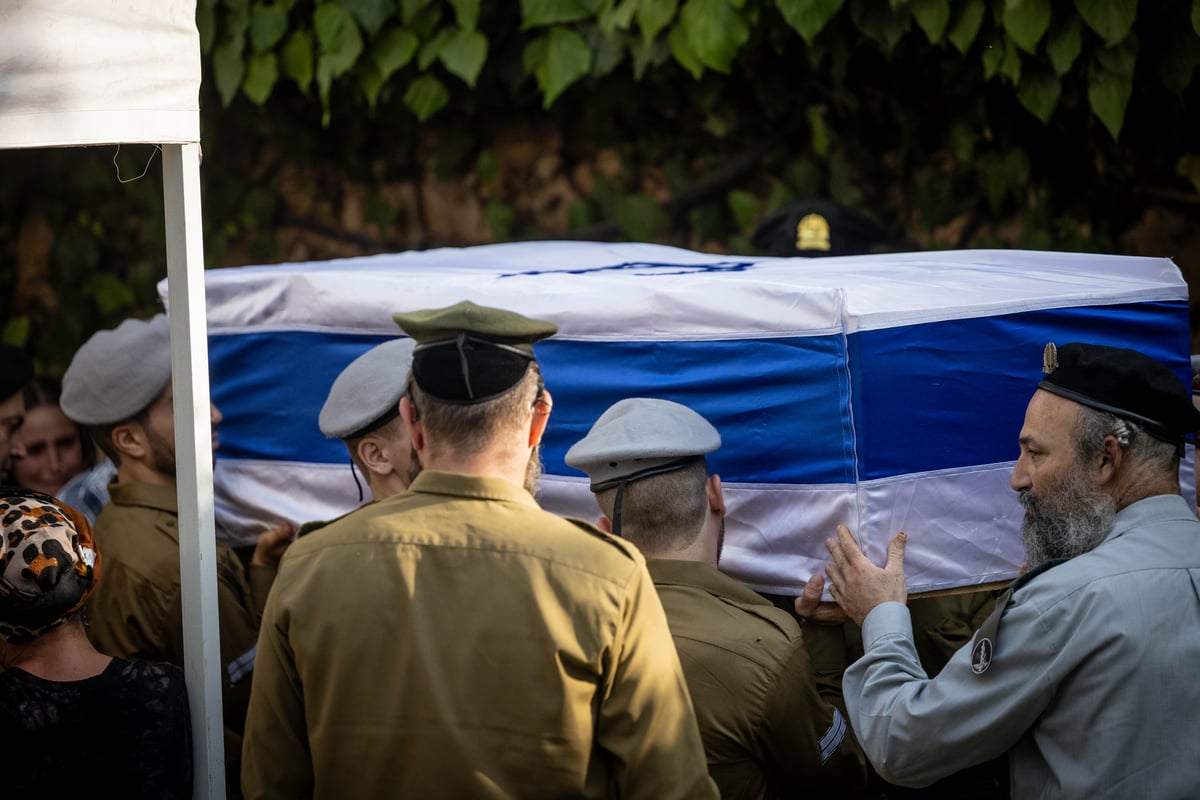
x=883, y=392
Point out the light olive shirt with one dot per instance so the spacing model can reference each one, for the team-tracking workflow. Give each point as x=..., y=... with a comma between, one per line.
x=458, y=641
x=136, y=610
x=767, y=730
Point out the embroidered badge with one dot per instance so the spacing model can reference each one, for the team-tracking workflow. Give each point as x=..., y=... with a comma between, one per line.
x=981, y=655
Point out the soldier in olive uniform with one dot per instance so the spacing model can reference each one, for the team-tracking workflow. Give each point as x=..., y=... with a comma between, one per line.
x=118, y=386
x=767, y=729
x=456, y=640
x=363, y=410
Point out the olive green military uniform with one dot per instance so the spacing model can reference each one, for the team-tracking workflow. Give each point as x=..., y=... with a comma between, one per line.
x=458, y=641
x=766, y=730
x=136, y=610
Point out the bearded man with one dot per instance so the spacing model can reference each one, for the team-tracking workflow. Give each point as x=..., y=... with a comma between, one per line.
x=1084, y=674
x=118, y=386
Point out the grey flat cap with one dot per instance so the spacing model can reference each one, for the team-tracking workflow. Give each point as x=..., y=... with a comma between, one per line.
x=639, y=437
x=367, y=392
x=117, y=373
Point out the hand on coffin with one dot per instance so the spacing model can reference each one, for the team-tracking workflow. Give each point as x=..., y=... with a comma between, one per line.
x=810, y=608
x=272, y=543
x=857, y=584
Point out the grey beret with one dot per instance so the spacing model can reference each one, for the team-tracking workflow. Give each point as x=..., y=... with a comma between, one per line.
x=640, y=436
x=367, y=392
x=117, y=373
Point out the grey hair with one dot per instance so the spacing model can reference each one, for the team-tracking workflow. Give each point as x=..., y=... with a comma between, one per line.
x=1144, y=450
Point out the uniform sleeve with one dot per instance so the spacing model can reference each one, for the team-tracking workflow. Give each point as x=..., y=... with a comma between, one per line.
x=261, y=579
x=806, y=740
x=276, y=761
x=646, y=722
x=917, y=730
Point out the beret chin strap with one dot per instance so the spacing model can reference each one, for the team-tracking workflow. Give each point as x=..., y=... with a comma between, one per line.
x=625, y=480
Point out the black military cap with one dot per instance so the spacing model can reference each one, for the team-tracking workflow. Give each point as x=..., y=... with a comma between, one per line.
x=816, y=228
x=1122, y=382
x=16, y=369
x=467, y=353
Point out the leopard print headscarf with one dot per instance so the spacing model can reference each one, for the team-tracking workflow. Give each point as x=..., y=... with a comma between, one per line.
x=49, y=563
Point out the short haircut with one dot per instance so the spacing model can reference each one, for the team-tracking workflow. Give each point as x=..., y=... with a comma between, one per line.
x=473, y=428
x=102, y=434
x=662, y=512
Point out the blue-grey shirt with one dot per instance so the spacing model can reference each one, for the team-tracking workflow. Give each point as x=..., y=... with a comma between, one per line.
x=1092, y=684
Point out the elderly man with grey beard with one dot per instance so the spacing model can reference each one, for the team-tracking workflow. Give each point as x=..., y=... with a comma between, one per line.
x=1084, y=675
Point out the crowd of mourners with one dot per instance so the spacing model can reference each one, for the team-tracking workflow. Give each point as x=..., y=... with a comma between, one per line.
x=450, y=638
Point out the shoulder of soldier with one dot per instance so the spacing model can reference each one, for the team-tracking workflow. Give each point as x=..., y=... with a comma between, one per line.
x=621, y=545
x=317, y=524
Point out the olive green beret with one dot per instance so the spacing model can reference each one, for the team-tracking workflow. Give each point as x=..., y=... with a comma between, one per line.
x=367, y=392
x=467, y=353
x=118, y=373
x=639, y=437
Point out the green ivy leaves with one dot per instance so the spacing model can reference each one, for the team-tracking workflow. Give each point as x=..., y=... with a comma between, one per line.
x=425, y=48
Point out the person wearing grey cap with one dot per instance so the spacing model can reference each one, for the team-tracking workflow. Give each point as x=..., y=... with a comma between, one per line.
x=363, y=410
x=16, y=369
x=456, y=640
x=767, y=729
x=1083, y=675
x=118, y=385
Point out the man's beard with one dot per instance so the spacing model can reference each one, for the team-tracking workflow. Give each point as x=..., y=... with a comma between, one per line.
x=1071, y=519
x=162, y=453
x=533, y=471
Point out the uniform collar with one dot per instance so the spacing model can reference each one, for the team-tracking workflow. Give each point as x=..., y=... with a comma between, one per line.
x=160, y=498
x=1158, y=507
x=480, y=487
x=702, y=576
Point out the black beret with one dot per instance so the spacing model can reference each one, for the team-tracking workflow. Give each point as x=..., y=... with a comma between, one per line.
x=467, y=353
x=1125, y=383
x=16, y=369
x=816, y=228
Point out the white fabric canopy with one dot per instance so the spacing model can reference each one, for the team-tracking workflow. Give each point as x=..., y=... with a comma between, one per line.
x=80, y=72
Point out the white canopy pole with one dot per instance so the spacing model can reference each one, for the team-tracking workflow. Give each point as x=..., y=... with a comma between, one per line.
x=194, y=463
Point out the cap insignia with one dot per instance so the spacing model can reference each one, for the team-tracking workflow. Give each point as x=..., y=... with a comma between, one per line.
x=1049, y=358
x=812, y=233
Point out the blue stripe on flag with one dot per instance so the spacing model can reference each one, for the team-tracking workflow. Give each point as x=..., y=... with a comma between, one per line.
x=953, y=393
x=925, y=397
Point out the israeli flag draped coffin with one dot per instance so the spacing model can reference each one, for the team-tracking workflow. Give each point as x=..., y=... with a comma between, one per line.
x=884, y=392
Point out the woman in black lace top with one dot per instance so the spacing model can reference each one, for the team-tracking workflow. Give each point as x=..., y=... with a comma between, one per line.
x=74, y=721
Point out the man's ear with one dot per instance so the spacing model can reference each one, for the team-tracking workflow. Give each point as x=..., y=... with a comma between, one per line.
x=129, y=438
x=1109, y=462
x=412, y=423
x=373, y=456
x=541, y=415
x=716, y=497
x=604, y=524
